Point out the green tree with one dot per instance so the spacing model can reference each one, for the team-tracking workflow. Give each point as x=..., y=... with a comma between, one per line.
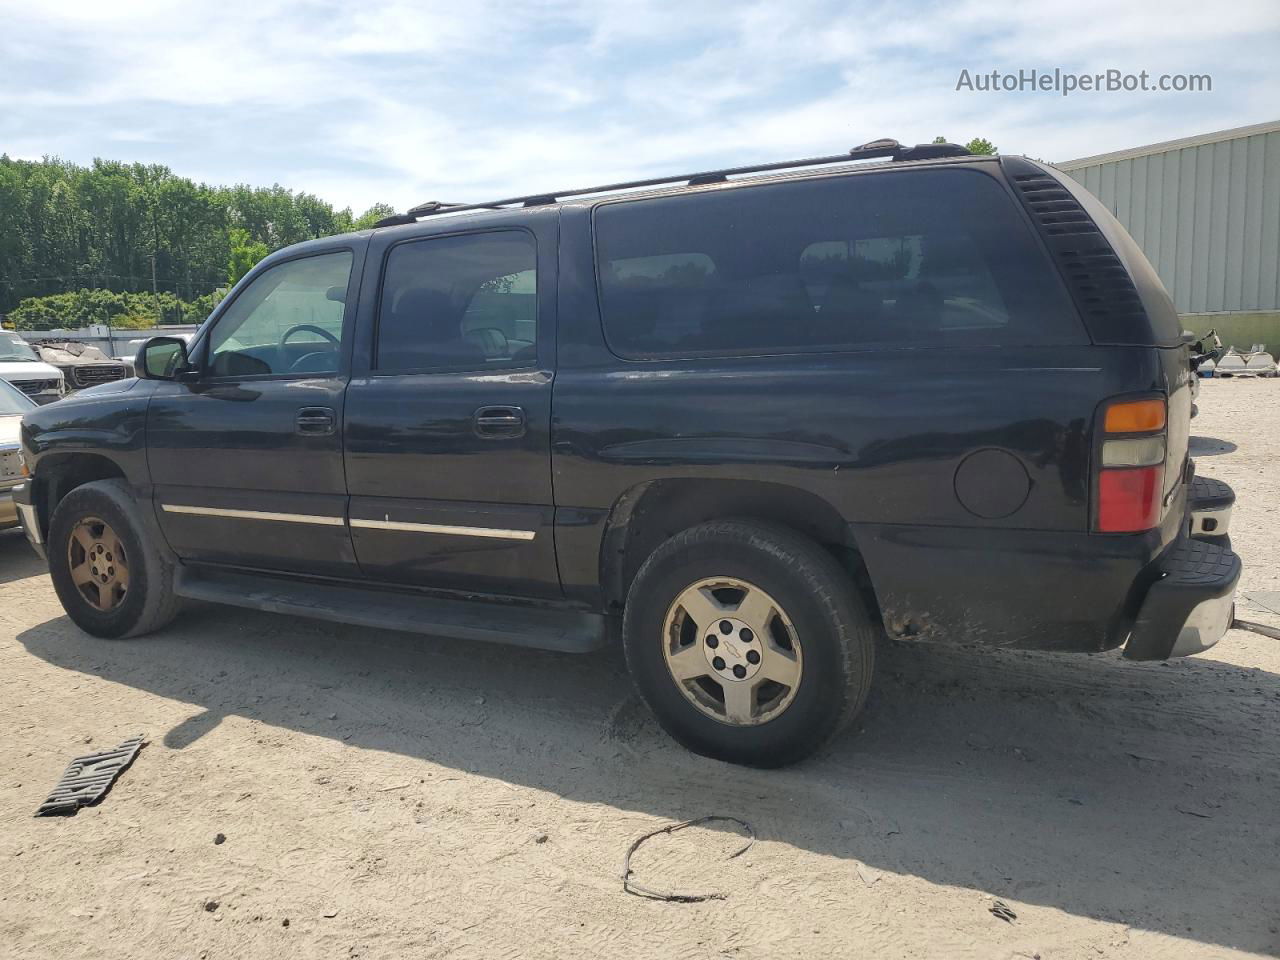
x=372, y=216
x=979, y=145
x=245, y=254
x=66, y=228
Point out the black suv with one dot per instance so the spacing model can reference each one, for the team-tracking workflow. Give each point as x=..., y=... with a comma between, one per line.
x=749, y=422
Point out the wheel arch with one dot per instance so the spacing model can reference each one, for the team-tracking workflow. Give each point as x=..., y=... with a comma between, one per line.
x=60, y=473
x=650, y=513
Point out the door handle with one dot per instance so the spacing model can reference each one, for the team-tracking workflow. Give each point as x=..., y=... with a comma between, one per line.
x=499, y=422
x=317, y=421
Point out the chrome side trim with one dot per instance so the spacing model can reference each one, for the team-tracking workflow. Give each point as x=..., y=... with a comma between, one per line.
x=30, y=524
x=446, y=529
x=252, y=514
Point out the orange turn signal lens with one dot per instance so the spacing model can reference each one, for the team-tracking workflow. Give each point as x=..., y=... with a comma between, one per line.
x=1135, y=416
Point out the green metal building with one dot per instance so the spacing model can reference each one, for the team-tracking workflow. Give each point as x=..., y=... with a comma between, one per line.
x=1206, y=210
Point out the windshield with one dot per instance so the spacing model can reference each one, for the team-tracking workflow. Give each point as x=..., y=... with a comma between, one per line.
x=13, y=400
x=11, y=348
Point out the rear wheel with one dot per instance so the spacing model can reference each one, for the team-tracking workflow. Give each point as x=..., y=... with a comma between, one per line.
x=113, y=581
x=748, y=642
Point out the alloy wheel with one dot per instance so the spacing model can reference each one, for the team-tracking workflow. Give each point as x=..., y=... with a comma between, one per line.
x=732, y=651
x=98, y=563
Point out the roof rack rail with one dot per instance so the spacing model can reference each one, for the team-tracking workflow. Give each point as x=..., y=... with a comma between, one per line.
x=876, y=148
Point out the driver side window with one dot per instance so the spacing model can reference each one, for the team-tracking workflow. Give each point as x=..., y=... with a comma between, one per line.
x=289, y=320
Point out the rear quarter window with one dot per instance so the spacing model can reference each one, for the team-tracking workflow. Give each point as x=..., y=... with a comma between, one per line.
x=908, y=258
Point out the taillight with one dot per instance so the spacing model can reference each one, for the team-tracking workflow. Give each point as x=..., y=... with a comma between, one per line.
x=1131, y=466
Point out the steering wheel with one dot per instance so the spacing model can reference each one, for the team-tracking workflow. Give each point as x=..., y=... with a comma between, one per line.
x=307, y=328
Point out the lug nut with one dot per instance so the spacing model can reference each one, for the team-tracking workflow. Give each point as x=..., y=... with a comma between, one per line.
x=726, y=627
x=746, y=634
x=718, y=663
x=753, y=656
x=739, y=671
x=713, y=641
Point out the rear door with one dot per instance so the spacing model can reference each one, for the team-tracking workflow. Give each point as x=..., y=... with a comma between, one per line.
x=448, y=413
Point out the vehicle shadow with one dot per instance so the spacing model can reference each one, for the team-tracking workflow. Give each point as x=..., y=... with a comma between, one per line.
x=1209, y=447
x=17, y=560
x=1138, y=794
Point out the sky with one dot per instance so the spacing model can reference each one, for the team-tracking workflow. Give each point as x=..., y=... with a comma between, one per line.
x=472, y=100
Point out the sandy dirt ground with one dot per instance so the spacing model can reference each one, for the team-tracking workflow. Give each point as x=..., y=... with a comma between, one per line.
x=391, y=796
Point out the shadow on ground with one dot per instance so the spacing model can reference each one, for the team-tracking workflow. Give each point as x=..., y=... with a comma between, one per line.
x=1139, y=794
x=1210, y=447
x=17, y=560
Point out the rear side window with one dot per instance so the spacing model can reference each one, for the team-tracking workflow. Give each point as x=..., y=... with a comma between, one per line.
x=464, y=302
x=911, y=258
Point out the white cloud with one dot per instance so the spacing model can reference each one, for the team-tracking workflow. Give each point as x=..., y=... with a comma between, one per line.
x=404, y=101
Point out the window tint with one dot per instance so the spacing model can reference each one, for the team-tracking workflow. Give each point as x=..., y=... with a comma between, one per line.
x=289, y=320
x=910, y=257
x=459, y=303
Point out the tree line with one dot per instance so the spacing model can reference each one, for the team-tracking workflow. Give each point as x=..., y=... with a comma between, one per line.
x=86, y=236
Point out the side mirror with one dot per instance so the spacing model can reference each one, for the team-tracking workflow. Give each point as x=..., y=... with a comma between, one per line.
x=161, y=358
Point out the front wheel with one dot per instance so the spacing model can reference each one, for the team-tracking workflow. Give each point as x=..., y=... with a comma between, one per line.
x=748, y=642
x=112, y=580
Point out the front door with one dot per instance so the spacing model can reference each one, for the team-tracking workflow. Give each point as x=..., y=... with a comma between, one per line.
x=448, y=413
x=246, y=458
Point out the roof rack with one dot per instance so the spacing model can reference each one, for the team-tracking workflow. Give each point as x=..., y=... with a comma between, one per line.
x=876, y=148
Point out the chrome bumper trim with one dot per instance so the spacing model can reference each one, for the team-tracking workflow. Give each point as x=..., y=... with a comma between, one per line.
x=30, y=524
x=1211, y=523
x=1205, y=626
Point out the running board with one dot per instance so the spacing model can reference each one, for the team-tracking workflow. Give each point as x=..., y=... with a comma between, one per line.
x=568, y=631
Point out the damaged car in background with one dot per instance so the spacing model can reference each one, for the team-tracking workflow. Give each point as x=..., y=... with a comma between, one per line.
x=80, y=364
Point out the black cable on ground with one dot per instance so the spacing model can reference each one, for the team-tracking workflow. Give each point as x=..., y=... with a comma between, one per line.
x=636, y=889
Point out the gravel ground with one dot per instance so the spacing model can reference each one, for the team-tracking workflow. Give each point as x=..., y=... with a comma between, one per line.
x=392, y=796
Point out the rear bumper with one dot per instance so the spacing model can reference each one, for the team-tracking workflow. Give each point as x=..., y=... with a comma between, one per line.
x=1209, y=504
x=1190, y=606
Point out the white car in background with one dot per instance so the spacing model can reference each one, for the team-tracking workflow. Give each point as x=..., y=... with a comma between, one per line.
x=13, y=404
x=22, y=367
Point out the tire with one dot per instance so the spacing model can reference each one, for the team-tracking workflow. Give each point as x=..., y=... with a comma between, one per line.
x=819, y=632
x=146, y=601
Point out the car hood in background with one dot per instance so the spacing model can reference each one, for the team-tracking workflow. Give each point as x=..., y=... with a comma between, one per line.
x=61, y=357
x=10, y=425
x=28, y=370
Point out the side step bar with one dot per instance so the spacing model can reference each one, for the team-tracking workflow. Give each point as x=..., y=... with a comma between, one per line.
x=568, y=631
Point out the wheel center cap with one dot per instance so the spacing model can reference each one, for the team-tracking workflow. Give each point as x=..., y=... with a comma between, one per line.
x=733, y=649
